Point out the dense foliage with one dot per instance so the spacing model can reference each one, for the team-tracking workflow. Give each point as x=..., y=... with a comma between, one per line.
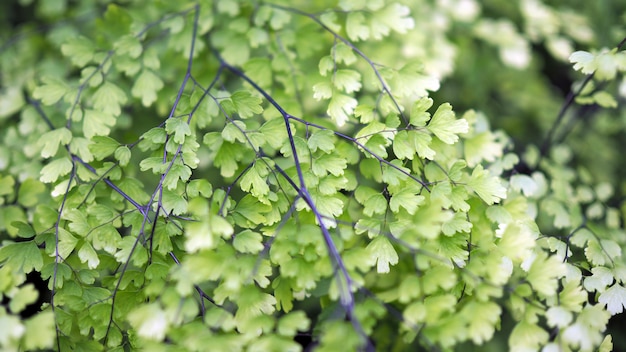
x=334, y=175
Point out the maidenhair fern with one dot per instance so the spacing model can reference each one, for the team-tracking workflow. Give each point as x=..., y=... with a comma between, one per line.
x=275, y=176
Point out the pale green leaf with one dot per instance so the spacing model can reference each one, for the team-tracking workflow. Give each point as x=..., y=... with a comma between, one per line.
x=583, y=61
x=173, y=202
x=80, y=50
x=527, y=336
x=604, y=99
x=23, y=296
x=86, y=254
x=51, y=91
x=323, y=140
x=146, y=86
x=322, y=90
x=108, y=98
x=179, y=128
x=97, y=123
x=11, y=329
x=40, y=331
x=340, y=108
x=524, y=183
x=51, y=140
x=558, y=317
x=419, y=111
x=383, y=253
x=29, y=192
x=347, y=80
x=259, y=70
x=150, y=321
x=356, y=26
x=343, y=53
x=128, y=45
x=445, y=126
x=486, y=186
x=122, y=154
x=55, y=169
x=326, y=65
x=291, y=323
x=407, y=199
x=248, y=241
x=614, y=298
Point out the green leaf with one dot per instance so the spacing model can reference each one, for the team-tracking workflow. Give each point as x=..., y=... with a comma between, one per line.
x=102, y=146
x=527, y=335
x=146, y=86
x=383, y=253
x=109, y=98
x=481, y=147
x=356, y=27
x=323, y=140
x=24, y=296
x=89, y=256
x=458, y=224
x=249, y=212
x=614, y=298
x=419, y=111
x=524, y=183
x=246, y=104
x=174, y=203
x=40, y=331
x=406, y=198
x=199, y=187
x=130, y=45
x=7, y=184
x=583, y=61
x=24, y=256
x=51, y=91
x=602, y=277
x=122, y=154
x=487, y=187
x=544, y=272
x=80, y=50
x=154, y=163
x=11, y=329
x=29, y=192
x=445, y=126
x=402, y=148
x=150, y=321
x=291, y=323
x=51, y=140
x=410, y=81
x=259, y=69
x=248, y=241
x=483, y=319
x=340, y=108
x=394, y=16
x=558, y=317
x=604, y=99
x=322, y=90
x=55, y=169
x=67, y=243
x=326, y=65
x=347, y=80
x=234, y=132
x=179, y=128
x=253, y=181
x=130, y=249
x=107, y=238
x=329, y=163
x=203, y=234
x=97, y=123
